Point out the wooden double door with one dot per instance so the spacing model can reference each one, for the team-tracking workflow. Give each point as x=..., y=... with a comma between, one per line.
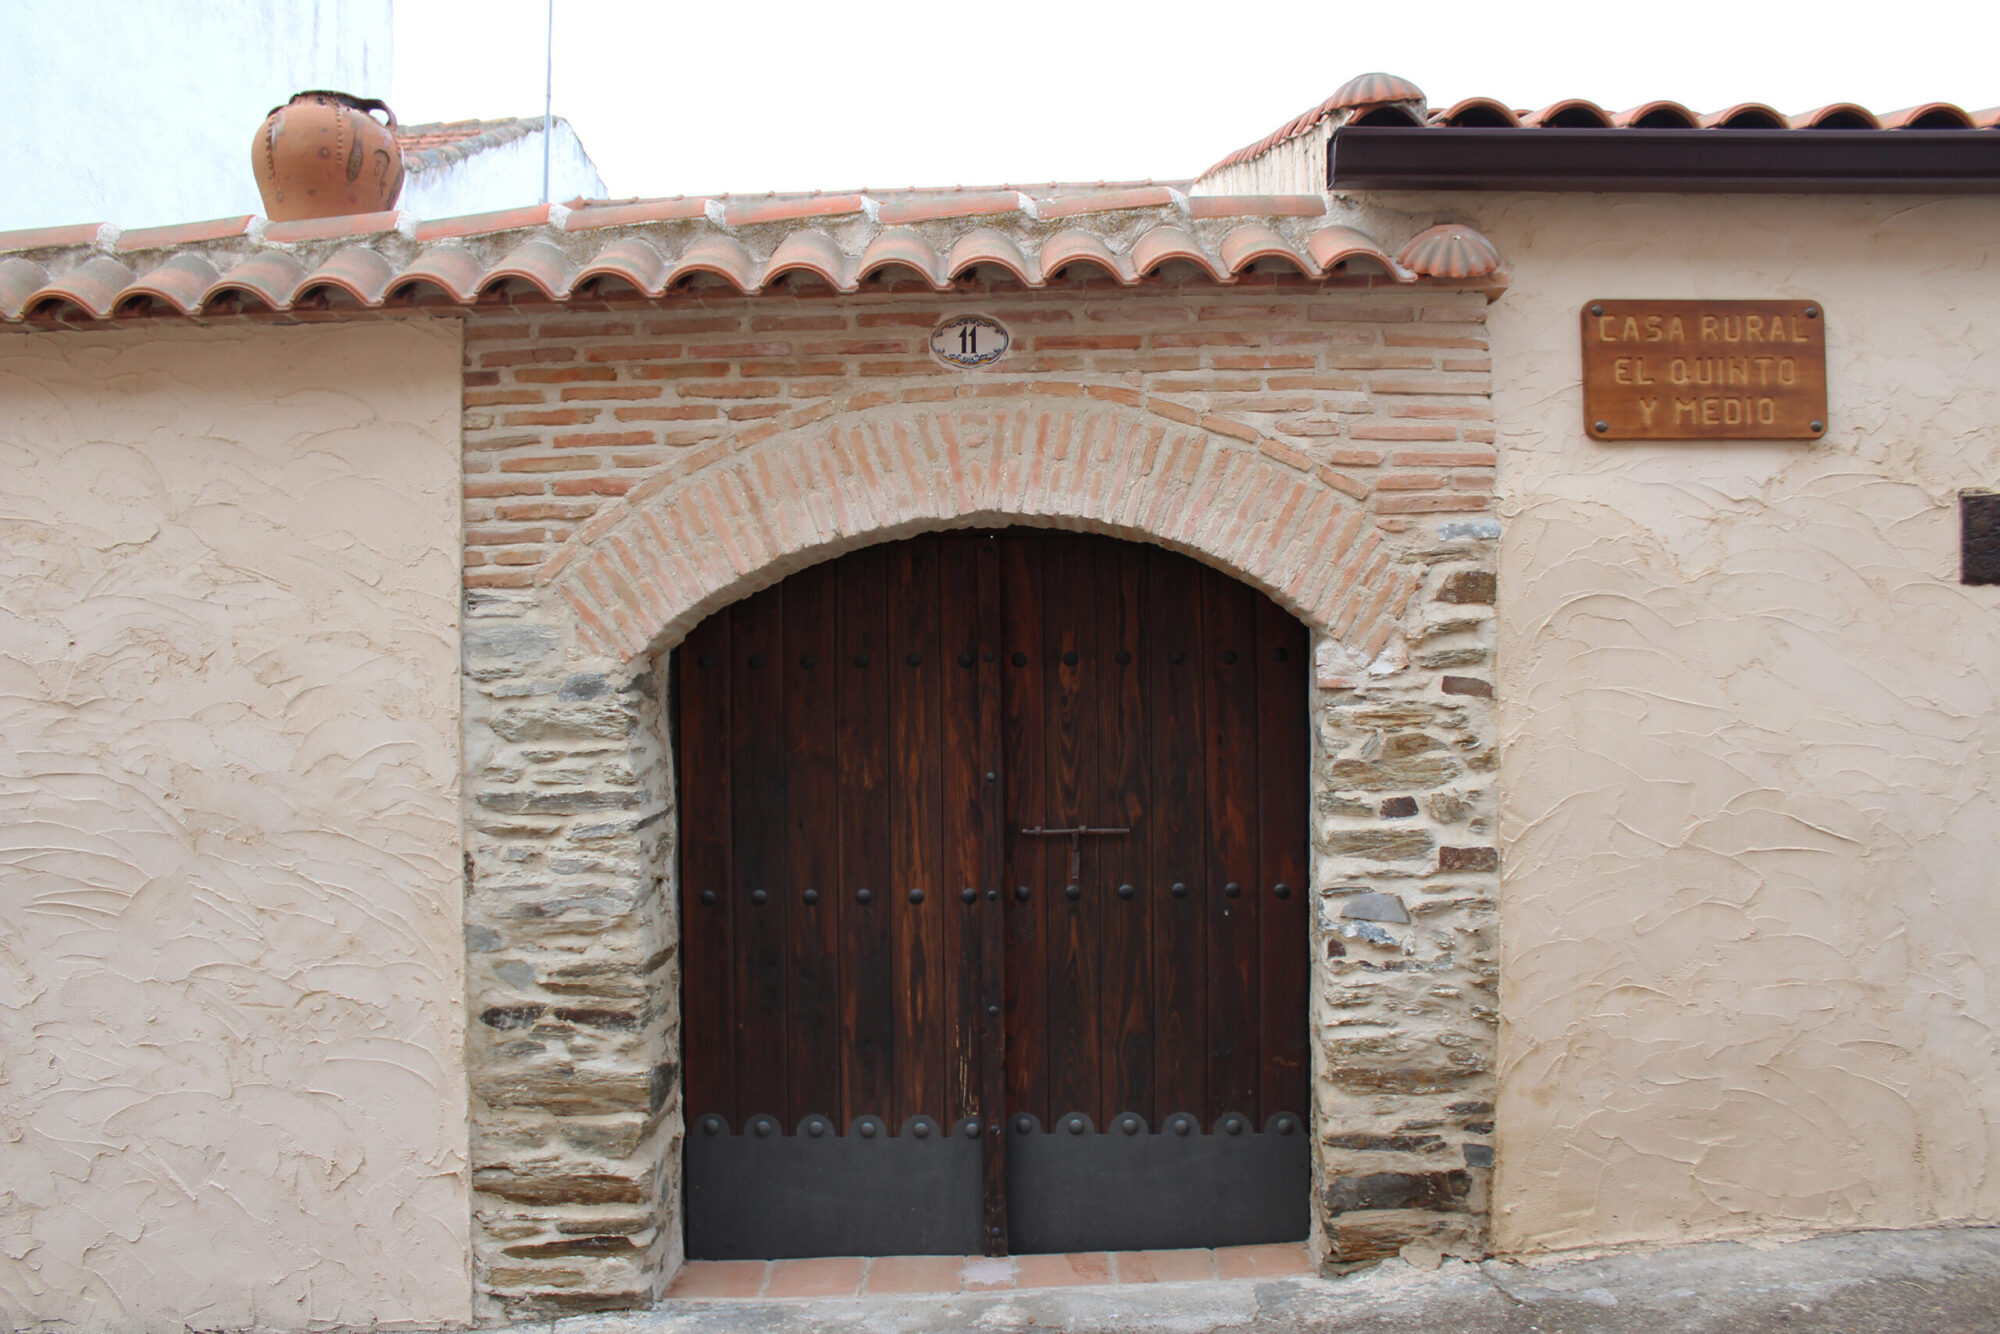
x=993, y=845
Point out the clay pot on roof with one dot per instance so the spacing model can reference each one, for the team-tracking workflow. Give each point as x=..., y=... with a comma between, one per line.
x=324, y=155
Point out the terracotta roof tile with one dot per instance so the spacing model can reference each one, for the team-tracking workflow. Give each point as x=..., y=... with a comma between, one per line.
x=1450, y=250
x=1657, y=115
x=216, y=229
x=1746, y=116
x=387, y=259
x=330, y=229
x=480, y=224
x=1837, y=116
x=440, y=143
x=1929, y=116
x=41, y=238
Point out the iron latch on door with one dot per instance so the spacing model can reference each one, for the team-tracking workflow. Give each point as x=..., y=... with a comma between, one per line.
x=1075, y=836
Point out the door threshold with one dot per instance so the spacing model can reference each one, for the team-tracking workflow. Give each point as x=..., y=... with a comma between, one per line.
x=920, y=1275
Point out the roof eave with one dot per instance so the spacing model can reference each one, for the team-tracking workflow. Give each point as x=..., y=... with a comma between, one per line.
x=1693, y=161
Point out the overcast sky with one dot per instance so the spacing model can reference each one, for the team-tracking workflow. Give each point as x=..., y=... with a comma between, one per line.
x=701, y=96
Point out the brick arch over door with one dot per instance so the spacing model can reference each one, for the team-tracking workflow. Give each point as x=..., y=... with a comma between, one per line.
x=728, y=522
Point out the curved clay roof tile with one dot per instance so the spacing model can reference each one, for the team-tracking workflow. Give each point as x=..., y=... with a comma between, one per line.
x=181, y=282
x=270, y=276
x=452, y=269
x=1835, y=116
x=1988, y=119
x=1573, y=113
x=1478, y=113
x=1252, y=241
x=629, y=259
x=723, y=256
x=355, y=270
x=903, y=248
x=814, y=252
x=1165, y=244
x=536, y=262
x=1746, y=116
x=1070, y=246
x=1367, y=90
x=1335, y=245
x=1929, y=116
x=93, y=287
x=19, y=280
x=1450, y=250
x=983, y=245
x=1659, y=114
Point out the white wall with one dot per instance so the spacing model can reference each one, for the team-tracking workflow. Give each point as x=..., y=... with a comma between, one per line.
x=1751, y=730
x=232, y=1086
x=141, y=112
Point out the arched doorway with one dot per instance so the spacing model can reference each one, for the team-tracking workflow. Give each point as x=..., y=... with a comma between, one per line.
x=993, y=868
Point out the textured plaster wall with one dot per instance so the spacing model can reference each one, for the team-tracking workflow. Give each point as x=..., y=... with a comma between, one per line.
x=231, y=970
x=1751, y=721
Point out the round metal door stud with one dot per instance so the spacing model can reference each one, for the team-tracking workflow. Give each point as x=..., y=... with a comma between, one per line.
x=1124, y=656
x=708, y=898
x=1229, y=656
x=968, y=895
x=1021, y=893
x=808, y=661
x=1232, y=889
x=1126, y=891
x=863, y=896
x=1129, y=1124
x=1072, y=892
x=759, y=897
x=1282, y=890
x=815, y=1129
x=861, y=660
x=916, y=896
x=922, y=1130
x=993, y=1011
x=965, y=659
x=992, y=894
x=704, y=662
x=915, y=660
x=1177, y=657
x=1023, y=1124
x=1279, y=655
x=711, y=1125
x=1074, y=1125
x=972, y=1129
x=1179, y=890
x=811, y=897
x=1019, y=660
x=1069, y=658
x=867, y=1129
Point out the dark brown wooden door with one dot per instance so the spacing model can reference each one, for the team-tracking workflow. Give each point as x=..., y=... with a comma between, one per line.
x=868, y=927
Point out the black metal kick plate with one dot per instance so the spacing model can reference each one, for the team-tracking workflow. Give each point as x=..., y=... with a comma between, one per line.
x=765, y=1195
x=1125, y=1189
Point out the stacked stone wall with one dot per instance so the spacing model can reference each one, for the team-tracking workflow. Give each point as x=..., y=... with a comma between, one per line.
x=630, y=469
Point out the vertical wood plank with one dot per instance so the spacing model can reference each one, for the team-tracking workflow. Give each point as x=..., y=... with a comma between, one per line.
x=1230, y=675
x=866, y=992
x=963, y=820
x=993, y=889
x=1070, y=665
x=1283, y=772
x=1022, y=730
x=916, y=853
x=1124, y=771
x=757, y=851
x=708, y=983
x=812, y=843
x=1179, y=835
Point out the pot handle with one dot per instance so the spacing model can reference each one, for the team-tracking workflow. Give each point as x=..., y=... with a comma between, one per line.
x=368, y=104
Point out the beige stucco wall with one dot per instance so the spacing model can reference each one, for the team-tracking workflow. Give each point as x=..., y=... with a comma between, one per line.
x=1751, y=730
x=231, y=1080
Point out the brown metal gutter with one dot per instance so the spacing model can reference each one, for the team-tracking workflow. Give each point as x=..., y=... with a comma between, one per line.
x=1369, y=157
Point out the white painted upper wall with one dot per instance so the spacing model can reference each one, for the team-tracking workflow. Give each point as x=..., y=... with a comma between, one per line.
x=232, y=1083
x=1750, y=721
x=142, y=114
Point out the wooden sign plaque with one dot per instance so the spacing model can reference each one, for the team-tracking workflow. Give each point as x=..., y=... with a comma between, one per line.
x=1704, y=370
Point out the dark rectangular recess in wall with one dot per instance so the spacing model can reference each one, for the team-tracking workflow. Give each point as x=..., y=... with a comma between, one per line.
x=1385, y=157
x=1979, y=536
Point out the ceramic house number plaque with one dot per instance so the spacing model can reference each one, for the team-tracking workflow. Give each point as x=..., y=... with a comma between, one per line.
x=1704, y=370
x=969, y=340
